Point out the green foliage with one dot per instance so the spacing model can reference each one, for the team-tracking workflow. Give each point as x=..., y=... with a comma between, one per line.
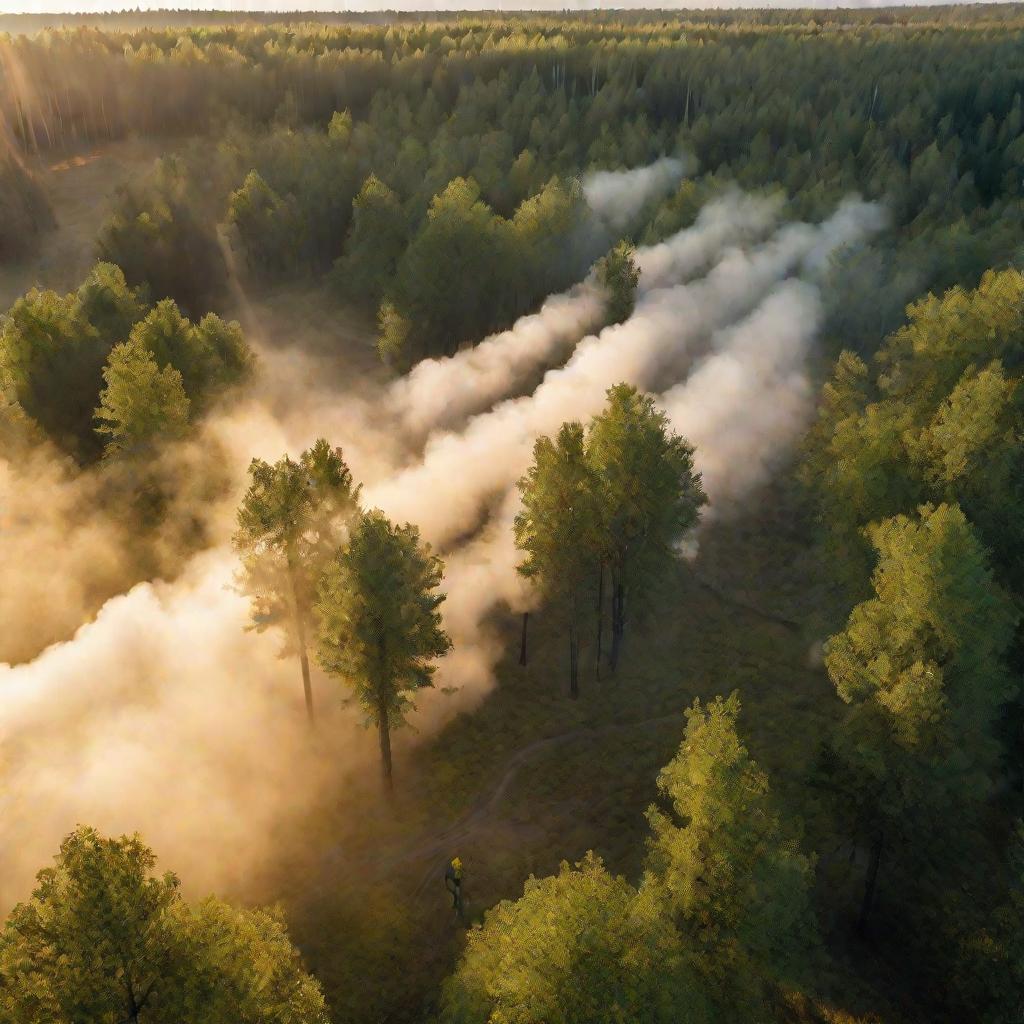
x=923, y=667
x=393, y=338
x=989, y=965
x=558, y=528
x=379, y=628
x=512, y=102
x=209, y=355
x=649, y=495
x=141, y=404
x=922, y=663
x=443, y=275
x=103, y=940
x=580, y=947
x=340, y=127
x=162, y=237
x=53, y=348
x=727, y=866
x=267, y=225
x=938, y=421
x=618, y=275
x=468, y=271
x=723, y=912
x=291, y=519
x=376, y=241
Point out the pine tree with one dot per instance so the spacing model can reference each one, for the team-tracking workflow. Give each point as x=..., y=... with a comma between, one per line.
x=141, y=403
x=618, y=275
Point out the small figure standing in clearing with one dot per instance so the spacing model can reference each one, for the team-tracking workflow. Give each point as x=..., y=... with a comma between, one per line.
x=453, y=883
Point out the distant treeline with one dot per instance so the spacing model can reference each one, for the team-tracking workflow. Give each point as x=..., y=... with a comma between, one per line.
x=356, y=131
x=129, y=20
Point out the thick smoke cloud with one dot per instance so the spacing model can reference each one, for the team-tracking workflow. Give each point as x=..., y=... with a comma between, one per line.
x=442, y=392
x=463, y=471
x=743, y=404
x=164, y=715
x=618, y=197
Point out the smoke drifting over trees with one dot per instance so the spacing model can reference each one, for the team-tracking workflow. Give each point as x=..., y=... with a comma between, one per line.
x=417, y=343
x=163, y=690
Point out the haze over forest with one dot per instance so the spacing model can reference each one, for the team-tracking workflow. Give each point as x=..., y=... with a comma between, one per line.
x=512, y=518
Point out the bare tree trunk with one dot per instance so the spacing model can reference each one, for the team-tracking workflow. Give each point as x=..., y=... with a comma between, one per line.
x=300, y=632
x=522, y=646
x=384, y=734
x=618, y=608
x=870, y=883
x=574, y=654
x=600, y=621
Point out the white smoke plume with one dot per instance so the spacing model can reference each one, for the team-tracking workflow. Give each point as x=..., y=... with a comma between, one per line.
x=442, y=392
x=734, y=219
x=743, y=405
x=461, y=472
x=59, y=551
x=165, y=716
x=618, y=197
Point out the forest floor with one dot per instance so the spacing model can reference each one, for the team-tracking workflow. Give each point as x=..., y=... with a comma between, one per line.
x=531, y=778
x=80, y=186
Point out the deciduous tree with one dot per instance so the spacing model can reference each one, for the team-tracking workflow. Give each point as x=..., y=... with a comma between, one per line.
x=103, y=939
x=291, y=519
x=728, y=866
x=649, y=495
x=579, y=947
x=379, y=627
x=922, y=666
x=557, y=529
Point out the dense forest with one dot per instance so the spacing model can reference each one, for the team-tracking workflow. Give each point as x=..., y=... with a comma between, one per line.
x=617, y=414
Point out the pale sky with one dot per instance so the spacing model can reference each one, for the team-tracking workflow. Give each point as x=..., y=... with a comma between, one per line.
x=97, y=6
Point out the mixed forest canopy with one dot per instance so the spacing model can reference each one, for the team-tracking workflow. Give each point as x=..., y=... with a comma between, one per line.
x=617, y=415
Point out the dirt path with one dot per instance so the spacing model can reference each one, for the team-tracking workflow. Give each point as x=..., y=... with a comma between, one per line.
x=433, y=848
x=760, y=613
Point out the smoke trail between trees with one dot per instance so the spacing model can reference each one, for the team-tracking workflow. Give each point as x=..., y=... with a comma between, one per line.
x=163, y=715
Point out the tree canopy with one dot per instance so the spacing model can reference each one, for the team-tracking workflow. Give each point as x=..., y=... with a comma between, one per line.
x=291, y=519
x=103, y=939
x=379, y=630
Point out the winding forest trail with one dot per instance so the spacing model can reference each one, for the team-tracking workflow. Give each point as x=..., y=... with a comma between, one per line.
x=432, y=848
x=437, y=848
